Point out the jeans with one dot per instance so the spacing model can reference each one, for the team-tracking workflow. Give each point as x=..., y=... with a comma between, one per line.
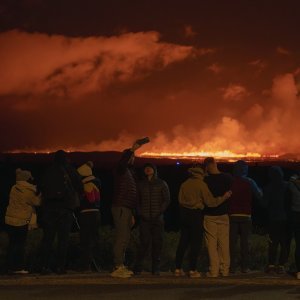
x=123, y=222
x=16, y=247
x=296, y=230
x=89, y=236
x=191, y=235
x=240, y=226
x=56, y=222
x=151, y=234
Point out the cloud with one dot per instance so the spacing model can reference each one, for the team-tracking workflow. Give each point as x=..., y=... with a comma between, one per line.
x=234, y=92
x=189, y=32
x=215, y=68
x=259, y=64
x=282, y=51
x=39, y=64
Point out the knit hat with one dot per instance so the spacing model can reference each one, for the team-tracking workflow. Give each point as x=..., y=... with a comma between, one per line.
x=152, y=166
x=85, y=170
x=23, y=175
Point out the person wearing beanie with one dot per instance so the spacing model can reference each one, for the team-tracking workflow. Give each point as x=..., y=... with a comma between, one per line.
x=19, y=218
x=154, y=198
x=216, y=220
x=244, y=189
x=194, y=196
x=61, y=188
x=276, y=199
x=124, y=204
x=89, y=218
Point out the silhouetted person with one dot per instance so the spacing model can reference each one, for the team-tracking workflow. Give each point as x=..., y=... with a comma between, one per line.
x=194, y=195
x=20, y=216
x=240, y=207
x=89, y=218
x=61, y=189
x=216, y=221
x=154, y=198
x=124, y=205
x=276, y=200
x=294, y=187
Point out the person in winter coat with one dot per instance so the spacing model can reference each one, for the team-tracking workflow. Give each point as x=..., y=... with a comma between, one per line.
x=294, y=187
x=154, y=198
x=61, y=191
x=89, y=218
x=124, y=204
x=194, y=195
x=240, y=208
x=19, y=217
x=276, y=200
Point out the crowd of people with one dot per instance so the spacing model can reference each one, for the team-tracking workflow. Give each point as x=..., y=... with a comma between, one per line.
x=214, y=206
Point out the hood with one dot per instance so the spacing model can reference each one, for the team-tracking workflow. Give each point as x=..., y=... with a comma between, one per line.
x=196, y=172
x=240, y=169
x=276, y=174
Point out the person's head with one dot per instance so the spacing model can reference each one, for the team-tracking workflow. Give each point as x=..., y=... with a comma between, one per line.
x=60, y=157
x=85, y=170
x=210, y=165
x=24, y=175
x=240, y=168
x=150, y=170
x=276, y=174
x=196, y=171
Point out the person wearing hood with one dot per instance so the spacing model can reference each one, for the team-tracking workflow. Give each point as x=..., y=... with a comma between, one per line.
x=194, y=196
x=240, y=209
x=89, y=218
x=276, y=200
x=20, y=216
x=61, y=188
x=154, y=198
x=124, y=204
x=294, y=187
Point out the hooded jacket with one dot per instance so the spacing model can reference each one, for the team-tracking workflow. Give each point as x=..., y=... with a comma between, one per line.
x=125, y=187
x=22, y=200
x=195, y=194
x=276, y=195
x=154, y=197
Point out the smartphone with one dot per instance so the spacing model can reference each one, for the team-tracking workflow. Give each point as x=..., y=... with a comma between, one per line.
x=143, y=141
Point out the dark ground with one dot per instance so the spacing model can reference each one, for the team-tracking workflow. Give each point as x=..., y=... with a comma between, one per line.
x=87, y=287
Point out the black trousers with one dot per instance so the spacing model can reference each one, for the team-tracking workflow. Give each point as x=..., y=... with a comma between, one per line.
x=279, y=237
x=151, y=234
x=296, y=231
x=191, y=235
x=16, y=247
x=56, y=223
x=240, y=227
x=89, y=236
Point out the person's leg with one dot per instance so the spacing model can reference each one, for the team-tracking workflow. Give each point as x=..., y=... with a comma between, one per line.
x=234, y=231
x=296, y=227
x=145, y=241
x=283, y=240
x=184, y=239
x=223, y=244
x=211, y=238
x=245, y=232
x=196, y=234
x=157, y=230
x=65, y=223
x=273, y=243
x=122, y=219
x=86, y=230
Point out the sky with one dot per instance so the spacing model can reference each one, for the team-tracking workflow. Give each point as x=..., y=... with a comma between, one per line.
x=202, y=75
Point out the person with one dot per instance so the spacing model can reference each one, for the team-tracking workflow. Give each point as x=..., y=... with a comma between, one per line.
x=61, y=188
x=216, y=221
x=240, y=208
x=276, y=199
x=19, y=218
x=89, y=218
x=194, y=195
x=294, y=188
x=124, y=205
x=154, y=198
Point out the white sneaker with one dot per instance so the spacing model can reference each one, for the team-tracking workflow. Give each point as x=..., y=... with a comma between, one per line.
x=21, y=272
x=121, y=272
x=298, y=275
x=194, y=274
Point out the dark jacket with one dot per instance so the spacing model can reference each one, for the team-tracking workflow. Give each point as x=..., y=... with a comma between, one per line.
x=276, y=195
x=125, y=187
x=218, y=184
x=154, y=198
